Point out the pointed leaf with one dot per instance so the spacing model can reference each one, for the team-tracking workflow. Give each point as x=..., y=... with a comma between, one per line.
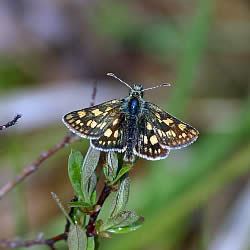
x=78, y=204
x=74, y=170
x=121, y=197
x=92, y=183
x=122, y=219
x=93, y=198
x=61, y=207
x=132, y=227
x=77, y=239
x=89, y=165
x=123, y=171
x=112, y=166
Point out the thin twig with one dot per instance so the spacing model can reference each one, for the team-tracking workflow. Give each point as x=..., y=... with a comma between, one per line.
x=91, y=229
x=92, y=103
x=19, y=243
x=11, y=123
x=35, y=165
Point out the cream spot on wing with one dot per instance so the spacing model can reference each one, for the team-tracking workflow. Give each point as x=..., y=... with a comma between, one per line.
x=149, y=126
x=78, y=121
x=180, y=136
x=69, y=116
x=81, y=130
x=168, y=121
x=97, y=112
x=156, y=152
x=77, y=127
x=100, y=142
x=89, y=122
x=193, y=132
x=70, y=121
x=159, y=132
x=116, y=133
x=115, y=121
x=172, y=133
x=109, y=142
x=114, y=101
x=73, y=125
x=145, y=139
x=184, y=135
x=93, y=124
x=153, y=139
x=159, y=150
x=158, y=115
x=182, y=126
x=81, y=124
x=103, y=125
x=81, y=113
x=145, y=149
x=104, y=142
x=107, y=109
x=108, y=132
x=150, y=150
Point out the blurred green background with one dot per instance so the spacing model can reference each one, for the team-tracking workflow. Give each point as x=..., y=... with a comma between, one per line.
x=52, y=52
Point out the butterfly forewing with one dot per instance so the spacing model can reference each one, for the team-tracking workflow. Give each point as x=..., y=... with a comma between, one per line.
x=113, y=138
x=171, y=132
x=92, y=122
x=148, y=145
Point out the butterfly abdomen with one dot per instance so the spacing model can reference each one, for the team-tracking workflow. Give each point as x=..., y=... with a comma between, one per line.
x=133, y=110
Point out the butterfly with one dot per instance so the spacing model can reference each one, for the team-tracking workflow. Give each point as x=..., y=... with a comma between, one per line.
x=131, y=126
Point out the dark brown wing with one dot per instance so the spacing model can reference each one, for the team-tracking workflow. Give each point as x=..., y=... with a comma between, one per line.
x=148, y=145
x=113, y=138
x=171, y=132
x=92, y=122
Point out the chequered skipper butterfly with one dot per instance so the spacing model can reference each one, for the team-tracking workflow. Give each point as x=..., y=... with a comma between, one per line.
x=131, y=126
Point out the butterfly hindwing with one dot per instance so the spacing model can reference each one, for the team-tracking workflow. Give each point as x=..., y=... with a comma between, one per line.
x=92, y=122
x=113, y=138
x=148, y=145
x=171, y=132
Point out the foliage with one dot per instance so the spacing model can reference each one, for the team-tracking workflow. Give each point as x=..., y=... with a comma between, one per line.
x=82, y=173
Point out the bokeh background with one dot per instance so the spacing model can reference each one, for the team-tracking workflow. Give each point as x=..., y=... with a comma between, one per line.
x=52, y=53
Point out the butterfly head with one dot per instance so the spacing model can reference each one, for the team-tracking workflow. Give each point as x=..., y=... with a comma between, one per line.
x=136, y=91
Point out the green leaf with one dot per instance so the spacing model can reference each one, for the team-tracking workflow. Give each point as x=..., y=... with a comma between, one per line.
x=121, y=197
x=132, y=227
x=91, y=243
x=93, y=198
x=77, y=239
x=110, y=169
x=123, y=171
x=122, y=219
x=78, y=204
x=61, y=207
x=74, y=170
x=92, y=184
x=88, y=168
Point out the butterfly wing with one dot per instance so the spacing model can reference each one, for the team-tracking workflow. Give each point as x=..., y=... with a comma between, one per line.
x=147, y=145
x=171, y=132
x=113, y=138
x=92, y=122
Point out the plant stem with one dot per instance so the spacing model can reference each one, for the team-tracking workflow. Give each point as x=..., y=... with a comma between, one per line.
x=91, y=229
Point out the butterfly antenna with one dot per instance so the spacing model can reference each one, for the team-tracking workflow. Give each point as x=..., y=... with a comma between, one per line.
x=162, y=85
x=113, y=75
